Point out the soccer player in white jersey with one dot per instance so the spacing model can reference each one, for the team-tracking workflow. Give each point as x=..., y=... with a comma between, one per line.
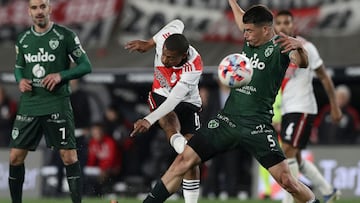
x=299, y=109
x=174, y=99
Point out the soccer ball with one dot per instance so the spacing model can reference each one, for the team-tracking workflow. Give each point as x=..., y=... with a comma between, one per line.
x=235, y=70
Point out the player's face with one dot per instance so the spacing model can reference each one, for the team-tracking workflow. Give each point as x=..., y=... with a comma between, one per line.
x=171, y=58
x=255, y=35
x=39, y=11
x=284, y=23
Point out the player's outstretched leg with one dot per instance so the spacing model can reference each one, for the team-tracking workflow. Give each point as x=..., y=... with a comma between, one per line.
x=191, y=181
x=299, y=191
x=310, y=171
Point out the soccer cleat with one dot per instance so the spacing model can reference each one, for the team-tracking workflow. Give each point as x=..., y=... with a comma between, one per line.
x=335, y=195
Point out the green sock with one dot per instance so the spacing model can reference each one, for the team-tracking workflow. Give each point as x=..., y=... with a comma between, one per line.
x=158, y=194
x=16, y=180
x=73, y=174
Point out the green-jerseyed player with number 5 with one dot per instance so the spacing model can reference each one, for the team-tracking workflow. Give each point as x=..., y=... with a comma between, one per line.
x=245, y=121
x=43, y=56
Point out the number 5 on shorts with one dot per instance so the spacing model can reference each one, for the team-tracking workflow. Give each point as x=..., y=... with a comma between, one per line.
x=271, y=141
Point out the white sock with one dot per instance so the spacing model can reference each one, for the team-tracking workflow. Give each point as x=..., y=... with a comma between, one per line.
x=310, y=171
x=178, y=142
x=191, y=190
x=294, y=170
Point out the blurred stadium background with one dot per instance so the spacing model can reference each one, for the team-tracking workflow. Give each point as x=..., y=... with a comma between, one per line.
x=123, y=79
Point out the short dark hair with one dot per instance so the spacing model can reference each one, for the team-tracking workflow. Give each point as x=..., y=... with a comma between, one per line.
x=258, y=15
x=177, y=42
x=285, y=13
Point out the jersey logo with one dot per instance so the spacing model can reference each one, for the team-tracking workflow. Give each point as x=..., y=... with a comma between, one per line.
x=14, y=133
x=41, y=56
x=173, y=78
x=255, y=61
x=38, y=71
x=269, y=50
x=54, y=43
x=213, y=124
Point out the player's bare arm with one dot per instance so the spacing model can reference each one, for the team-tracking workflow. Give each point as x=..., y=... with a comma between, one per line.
x=25, y=85
x=298, y=54
x=328, y=85
x=238, y=13
x=51, y=80
x=140, y=45
x=140, y=126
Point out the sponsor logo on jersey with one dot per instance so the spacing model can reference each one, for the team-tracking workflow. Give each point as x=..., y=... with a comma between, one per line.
x=26, y=119
x=269, y=50
x=226, y=120
x=41, y=56
x=255, y=61
x=261, y=129
x=213, y=124
x=38, y=71
x=162, y=80
x=54, y=43
x=55, y=116
x=173, y=78
x=14, y=133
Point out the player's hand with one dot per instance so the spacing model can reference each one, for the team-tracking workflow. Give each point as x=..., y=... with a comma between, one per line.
x=25, y=85
x=336, y=114
x=140, y=126
x=288, y=43
x=51, y=80
x=138, y=45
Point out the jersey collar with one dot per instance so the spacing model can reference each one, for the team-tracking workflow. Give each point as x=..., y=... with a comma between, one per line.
x=43, y=33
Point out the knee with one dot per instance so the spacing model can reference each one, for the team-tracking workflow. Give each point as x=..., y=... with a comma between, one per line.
x=68, y=156
x=181, y=165
x=16, y=158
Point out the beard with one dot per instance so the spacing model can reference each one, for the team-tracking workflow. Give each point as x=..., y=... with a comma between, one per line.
x=41, y=22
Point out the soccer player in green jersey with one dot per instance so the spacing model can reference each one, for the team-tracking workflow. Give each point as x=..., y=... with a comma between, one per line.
x=42, y=71
x=245, y=120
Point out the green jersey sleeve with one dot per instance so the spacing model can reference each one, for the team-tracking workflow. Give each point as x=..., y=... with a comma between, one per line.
x=79, y=56
x=20, y=62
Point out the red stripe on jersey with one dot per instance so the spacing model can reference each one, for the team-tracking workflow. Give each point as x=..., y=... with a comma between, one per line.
x=166, y=35
x=198, y=64
x=290, y=71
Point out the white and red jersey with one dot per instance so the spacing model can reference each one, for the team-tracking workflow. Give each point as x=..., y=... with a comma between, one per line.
x=177, y=84
x=165, y=79
x=297, y=89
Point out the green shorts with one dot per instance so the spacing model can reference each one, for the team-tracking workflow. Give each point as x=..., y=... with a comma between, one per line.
x=225, y=132
x=58, y=129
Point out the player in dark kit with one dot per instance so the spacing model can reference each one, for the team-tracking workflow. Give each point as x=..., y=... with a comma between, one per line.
x=43, y=57
x=245, y=120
